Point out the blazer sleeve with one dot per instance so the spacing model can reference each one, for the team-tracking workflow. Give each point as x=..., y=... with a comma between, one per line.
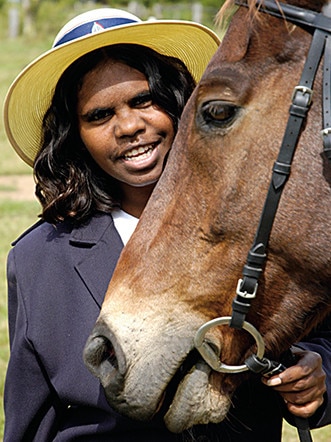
x=319, y=341
x=28, y=392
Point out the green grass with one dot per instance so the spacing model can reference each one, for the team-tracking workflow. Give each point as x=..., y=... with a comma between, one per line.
x=290, y=434
x=14, y=56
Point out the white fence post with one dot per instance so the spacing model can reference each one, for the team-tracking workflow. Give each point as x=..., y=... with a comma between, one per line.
x=197, y=11
x=13, y=19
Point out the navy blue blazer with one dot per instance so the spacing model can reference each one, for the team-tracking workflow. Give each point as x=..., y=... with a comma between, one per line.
x=57, y=278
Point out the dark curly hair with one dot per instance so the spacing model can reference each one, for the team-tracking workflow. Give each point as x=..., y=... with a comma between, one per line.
x=69, y=184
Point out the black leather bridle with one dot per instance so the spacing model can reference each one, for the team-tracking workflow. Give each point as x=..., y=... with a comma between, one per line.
x=319, y=26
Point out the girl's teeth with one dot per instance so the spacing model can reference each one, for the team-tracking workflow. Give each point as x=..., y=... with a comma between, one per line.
x=141, y=152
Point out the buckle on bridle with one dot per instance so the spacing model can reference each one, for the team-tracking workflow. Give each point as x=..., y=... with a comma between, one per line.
x=245, y=294
x=326, y=132
x=304, y=90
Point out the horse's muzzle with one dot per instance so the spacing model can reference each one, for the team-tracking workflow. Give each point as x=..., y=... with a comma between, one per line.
x=105, y=359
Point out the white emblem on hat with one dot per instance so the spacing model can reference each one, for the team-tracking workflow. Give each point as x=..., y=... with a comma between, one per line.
x=96, y=28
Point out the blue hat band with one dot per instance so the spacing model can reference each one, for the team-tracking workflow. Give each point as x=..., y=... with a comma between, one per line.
x=93, y=27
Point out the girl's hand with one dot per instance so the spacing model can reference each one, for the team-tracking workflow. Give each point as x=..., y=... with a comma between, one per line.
x=302, y=386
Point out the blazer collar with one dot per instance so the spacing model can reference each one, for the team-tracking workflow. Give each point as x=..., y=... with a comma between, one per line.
x=96, y=247
x=91, y=232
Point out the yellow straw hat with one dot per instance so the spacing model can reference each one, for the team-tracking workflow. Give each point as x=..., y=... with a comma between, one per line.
x=30, y=94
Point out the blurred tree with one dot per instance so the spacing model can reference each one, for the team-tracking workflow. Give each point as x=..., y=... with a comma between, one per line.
x=45, y=17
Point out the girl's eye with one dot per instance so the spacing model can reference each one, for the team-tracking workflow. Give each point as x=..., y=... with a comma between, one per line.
x=99, y=115
x=217, y=114
x=142, y=100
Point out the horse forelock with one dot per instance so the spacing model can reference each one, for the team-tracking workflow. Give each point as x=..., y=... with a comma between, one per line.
x=241, y=24
x=228, y=7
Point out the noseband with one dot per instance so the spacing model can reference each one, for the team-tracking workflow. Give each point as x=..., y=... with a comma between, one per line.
x=320, y=27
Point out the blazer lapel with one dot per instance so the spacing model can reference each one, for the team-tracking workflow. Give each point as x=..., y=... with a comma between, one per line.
x=96, y=248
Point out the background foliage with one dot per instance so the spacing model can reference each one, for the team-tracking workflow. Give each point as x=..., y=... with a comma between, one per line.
x=42, y=17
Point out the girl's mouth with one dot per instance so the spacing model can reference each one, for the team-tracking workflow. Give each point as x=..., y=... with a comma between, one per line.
x=140, y=153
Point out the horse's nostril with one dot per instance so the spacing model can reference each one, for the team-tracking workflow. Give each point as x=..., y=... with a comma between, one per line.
x=104, y=357
x=98, y=352
x=109, y=353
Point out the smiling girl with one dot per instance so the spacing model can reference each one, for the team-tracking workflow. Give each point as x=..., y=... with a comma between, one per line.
x=96, y=117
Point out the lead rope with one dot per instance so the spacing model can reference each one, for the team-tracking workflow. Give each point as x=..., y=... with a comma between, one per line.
x=301, y=101
x=267, y=369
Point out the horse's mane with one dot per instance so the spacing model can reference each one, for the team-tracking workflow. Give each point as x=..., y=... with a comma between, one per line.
x=229, y=7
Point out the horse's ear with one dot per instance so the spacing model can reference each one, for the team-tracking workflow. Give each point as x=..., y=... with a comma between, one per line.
x=236, y=40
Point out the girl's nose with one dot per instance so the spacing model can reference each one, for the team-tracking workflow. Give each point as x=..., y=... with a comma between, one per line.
x=128, y=123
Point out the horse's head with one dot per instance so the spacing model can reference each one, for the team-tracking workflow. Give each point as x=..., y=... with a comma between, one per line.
x=181, y=267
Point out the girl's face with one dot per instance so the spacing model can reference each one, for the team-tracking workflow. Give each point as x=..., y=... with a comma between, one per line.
x=126, y=134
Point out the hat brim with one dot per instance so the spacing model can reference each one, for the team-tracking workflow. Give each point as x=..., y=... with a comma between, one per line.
x=31, y=92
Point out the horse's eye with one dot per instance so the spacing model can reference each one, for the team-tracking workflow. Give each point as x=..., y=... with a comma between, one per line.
x=218, y=114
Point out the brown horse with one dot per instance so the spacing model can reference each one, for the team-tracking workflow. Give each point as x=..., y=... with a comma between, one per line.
x=181, y=267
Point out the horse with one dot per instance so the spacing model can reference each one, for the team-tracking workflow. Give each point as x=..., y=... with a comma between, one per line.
x=183, y=265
